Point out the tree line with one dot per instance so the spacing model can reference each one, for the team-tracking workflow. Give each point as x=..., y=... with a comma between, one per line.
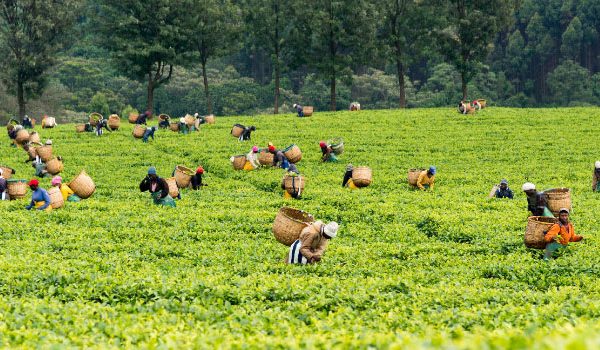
x=235, y=56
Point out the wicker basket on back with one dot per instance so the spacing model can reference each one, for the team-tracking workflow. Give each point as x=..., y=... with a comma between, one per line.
x=133, y=116
x=482, y=103
x=32, y=149
x=265, y=158
x=337, y=145
x=114, y=122
x=48, y=122
x=537, y=226
x=362, y=176
x=237, y=130
x=413, y=176
x=163, y=117
x=17, y=189
x=94, y=118
x=54, y=166
x=558, y=198
x=307, y=110
x=294, y=185
x=293, y=153
x=6, y=172
x=34, y=137
x=56, y=198
x=138, y=131
x=289, y=223
x=183, y=176
x=22, y=136
x=173, y=189
x=80, y=127
x=83, y=185
x=45, y=152
x=238, y=162
x=174, y=126
x=210, y=119
x=189, y=120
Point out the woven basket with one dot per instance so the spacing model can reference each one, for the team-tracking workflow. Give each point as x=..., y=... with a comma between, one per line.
x=210, y=119
x=293, y=153
x=307, y=110
x=54, y=166
x=238, y=162
x=32, y=150
x=34, y=137
x=294, y=184
x=413, y=176
x=362, y=176
x=17, y=188
x=183, y=176
x=48, y=123
x=337, y=145
x=174, y=126
x=189, y=120
x=83, y=185
x=537, y=226
x=94, y=117
x=6, y=172
x=114, y=122
x=237, y=130
x=482, y=103
x=56, y=198
x=265, y=158
x=45, y=152
x=22, y=136
x=133, y=116
x=163, y=117
x=80, y=127
x=289, y=223
x=173, y=189
x=138, y=131
x=558, y=198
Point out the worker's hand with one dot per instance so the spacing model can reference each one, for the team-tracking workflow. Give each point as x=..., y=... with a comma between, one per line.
x=316, y=259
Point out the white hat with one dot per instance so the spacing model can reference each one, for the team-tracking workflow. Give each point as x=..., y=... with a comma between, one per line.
x=294, y=105
x=1, y=171
x=565, y=210
x=196, y=115
x=182, y=120
x=331, y=229
x=528, y=186
x=597, y=164
x=48, y=142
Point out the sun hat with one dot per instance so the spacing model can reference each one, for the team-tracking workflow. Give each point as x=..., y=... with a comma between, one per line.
x=33, y=182
x=432, y=170
x=254, y=149
x=56, y=180
x=200, y=170
x=152, y=171
x=528, y=186
x=331, y=229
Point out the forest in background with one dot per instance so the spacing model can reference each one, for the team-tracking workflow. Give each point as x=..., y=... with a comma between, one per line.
x=232, y=57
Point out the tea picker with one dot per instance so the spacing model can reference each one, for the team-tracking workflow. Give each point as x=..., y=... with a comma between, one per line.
x=67, y=193
x=3, y=187
x=560, y=234
x=327, y=154
x=196, y=181
x=158, y=188
x=311, y=245
x=595, y=177
x=279, y=159
x=245, y=136
x=347, y=181
x=142, y=118
x=252, y=161
x=502, y=190
x=299, y=109
x=426, y=179
x=102, y=124
x=295, y=185
x=149, y=133
x=40, y=199
x=537, y=202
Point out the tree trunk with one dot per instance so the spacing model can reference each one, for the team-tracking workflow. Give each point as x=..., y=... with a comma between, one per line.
x=333, y=106
x=21, y=99
x=150, y=103
x=401, y=84
x=206, y=92
x=277, y=72
x=463, y=81
x=277, y=62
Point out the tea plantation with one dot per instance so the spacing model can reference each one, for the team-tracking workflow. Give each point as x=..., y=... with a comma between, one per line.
x=409, y=269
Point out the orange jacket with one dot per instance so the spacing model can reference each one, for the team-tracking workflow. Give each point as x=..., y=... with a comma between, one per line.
x=567, y=234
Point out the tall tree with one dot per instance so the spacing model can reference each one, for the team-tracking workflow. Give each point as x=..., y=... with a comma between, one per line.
x=472, y=27
x=405, y=25
x=269, y=28
x=212, y=28
x=342, y=33
x=144, y=37
x=31, y=34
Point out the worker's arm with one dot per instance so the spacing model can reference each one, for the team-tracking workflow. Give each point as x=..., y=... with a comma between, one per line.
x=510, y=194
x=552, y=233
x=574, y=237
x=145, y=184
x=165, y=188
x=307, y=240
x=420, y=181
x=594, y=181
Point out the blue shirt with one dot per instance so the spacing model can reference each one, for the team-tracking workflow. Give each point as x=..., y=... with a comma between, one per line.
x=507, y=193
x=39, y=195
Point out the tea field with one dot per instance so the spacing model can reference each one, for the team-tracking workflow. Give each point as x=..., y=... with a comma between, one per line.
x=443, y=269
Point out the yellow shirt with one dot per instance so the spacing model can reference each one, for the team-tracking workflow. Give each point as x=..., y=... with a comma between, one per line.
x=66, y=191
x=424, y=179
